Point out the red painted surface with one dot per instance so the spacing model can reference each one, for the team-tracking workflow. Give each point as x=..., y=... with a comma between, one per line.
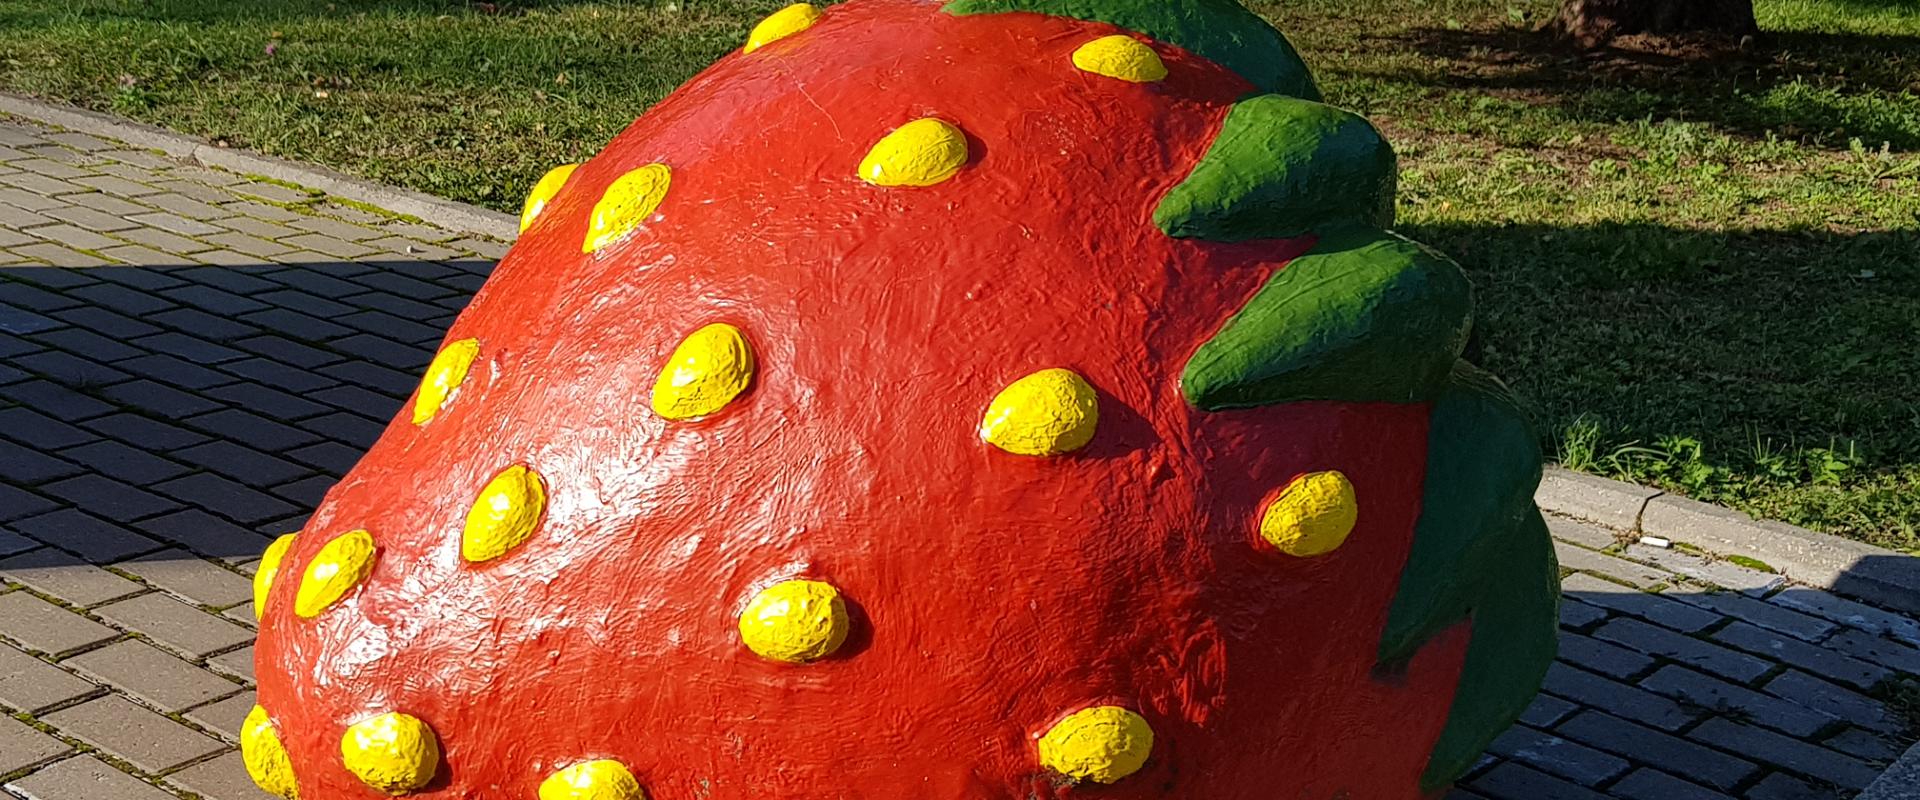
x=993, y=593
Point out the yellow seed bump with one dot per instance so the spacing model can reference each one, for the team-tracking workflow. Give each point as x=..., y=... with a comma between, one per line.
x=504, y=515
x=1102, y=744
x=1122, y=57
x=628, y=201
x=267, y=570
x=393, y=753
x=795, y=621
x=592, y=780
x=543, y=192
x=920, y=153
x=340, y=565
x=443, y=378
x=707, y=370
x=1312, y=516
x=265, y=757
x=781, y=24
x=1050, y=412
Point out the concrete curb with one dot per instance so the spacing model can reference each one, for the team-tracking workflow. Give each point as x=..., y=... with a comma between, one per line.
x=1900, y=782
x=444, y=213
x=1874, y=574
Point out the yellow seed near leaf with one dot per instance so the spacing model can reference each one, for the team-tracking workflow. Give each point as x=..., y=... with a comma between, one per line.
x=705, y=372
x=628, y=201
x=392, y=753
x=267, y=570
x=920, y=153
x=340, y=566
x=781, y=24
x=443, y=378
x=1122, y=57
x=504, y=515
x=265, y=757
x=543, y=192
x=592, y=780
x=1050, y=412
x=795, y=621
x=1101, y=744
x=1312, y=516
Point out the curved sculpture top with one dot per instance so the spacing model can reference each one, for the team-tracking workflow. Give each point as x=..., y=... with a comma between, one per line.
x=993, y=399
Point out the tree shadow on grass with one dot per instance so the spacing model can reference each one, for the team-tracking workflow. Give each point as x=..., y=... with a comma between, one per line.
x=1818, y=87
x=1772, y=370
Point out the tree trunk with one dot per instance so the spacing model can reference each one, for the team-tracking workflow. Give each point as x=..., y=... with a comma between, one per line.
x=1595, y=22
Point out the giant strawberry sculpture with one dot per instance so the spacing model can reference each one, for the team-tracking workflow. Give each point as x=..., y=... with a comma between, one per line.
x=986, y=400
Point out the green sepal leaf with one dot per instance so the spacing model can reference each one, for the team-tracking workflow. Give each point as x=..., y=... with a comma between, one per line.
x=1221, y=31
x=1481, y=552
x=1283, y=167
x=1365, y=316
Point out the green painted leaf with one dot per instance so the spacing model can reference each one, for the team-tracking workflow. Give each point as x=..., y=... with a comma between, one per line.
x=1480, y=551
x=1283, y=167
x=1365, y=316
x=1222, y=31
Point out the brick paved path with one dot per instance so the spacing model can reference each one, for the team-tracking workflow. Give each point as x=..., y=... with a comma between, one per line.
x=188, y=359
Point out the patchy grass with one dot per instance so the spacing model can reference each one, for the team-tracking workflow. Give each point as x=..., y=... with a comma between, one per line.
x=1699, y=264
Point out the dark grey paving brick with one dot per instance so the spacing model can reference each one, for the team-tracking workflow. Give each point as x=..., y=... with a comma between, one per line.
x=332, y=457
x=1670, y=613
x=191, y=348
x=150, y=675
x=226, y=497
x=185, y=575
x=22, y=747
x=1870, y=747
x=93, y=538
x=84, y=778
x=1511, y=781
x=374, y=405
x=171, y=370
x=224, y=717
x=25, y=466
x=278, y=375
x=267, y=401
x=207, y=535
x=1552, y=754
x=252, y=430
x=121, y=298
x=1796, y=756
x=235, y=664
x=1821, y=660
x=212, y=300
x=50, y=629
x=232, y=280
x=32, y=685
x=20, y=321
x=243, y=464
x=1814, y=693
x=133, y=734
x=288, y=322
x=317, y=282
x=306, y=492
x=393, y=282
x=206, y=326
x=1576, y=615
x=117, y=460
x=144, y=433
x=103, y=321
x=1849, y=613
x=50, y=277
x=372, y=376
x=149, y=276
x=1658, y=641
x=386, y=352
x=108, y=498
x=55, y=400
x=380, y=323
x=1648, y=747
x=35, y=429
x=65, y=576
x=21, y=294
x=1646, y=784
x=174, y=625
x=88, y=344
x=396, y=305
x=158, y=399
x=287, y=351
x=306, y=303
x=344, y=427
x=223, y=778
x=1606, y=659
x=69, y=369
x=1709, y=692
x=1781, y=786
x=1618, y=698
x=1885, y=652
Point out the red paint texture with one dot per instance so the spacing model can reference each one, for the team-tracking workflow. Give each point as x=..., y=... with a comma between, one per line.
x=992, y=593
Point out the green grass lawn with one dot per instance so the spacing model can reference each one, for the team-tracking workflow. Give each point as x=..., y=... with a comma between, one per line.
x=1701, y=274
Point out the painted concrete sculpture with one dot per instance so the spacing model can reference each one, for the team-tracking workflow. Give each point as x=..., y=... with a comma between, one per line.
x=976, y=399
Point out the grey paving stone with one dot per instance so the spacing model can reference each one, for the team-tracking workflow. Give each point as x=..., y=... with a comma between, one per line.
x=334, y=228
x=1646, y=784
x=210, y=198
x=1766, y=615
x=1648, y=747
x=55, y=400
x=247, y=244
x=142, y=432
x=164, y=241
x=80, y=141
x=374, y=405
x=175, y=223
x=243, y=464
x=392, y=382
x=328, y=245
x=317, y=282
x=344, y=427
x=252, y=429
x=270, y=192
x=1750, y=582
x=15, y=202
x=212, y=300
x=185, y=575
x=171, y=370
x=258, y=227
x=117, y=186
x=381, y=323
x=1670, y=613
x=1708, y=692
x=42, y=185
x=84, y=778
x=56, y=256
x=223, y=778
x=107, y=204
x=90, y=219
x=305, y=302
x=174, y=625
x=1849, y=705
x=287, y=351
x=190, y=348
x=253, y=208
x=74, y=237
x=1552, y=754
x=1511, y=781
x=206, y=326
x=48, y=628
x=25, y=466
x=1864, y=745
x=1619, y=699
x=224, y=717
x=1697, y=653
x=141, y=158
x=121, y=298
x=395, y=305
x=158, y=399
x=49, y=168
x=31, y=427
x=232, y=280
x=92, y=538
x=150, y=675
x=207, y=535
x=89, y=344
x=1799, y=757
x=23, y=747
x=226, y=497
x=1849, y=613
x=332, y=457
x=1546, y=711
x=26, y=295
x=32, y=685
x=306, y=492
x=1781, y=786
x=1821, y=660
x=386, y=352
x=293, y=323
x=231, y=259
x=133, y=734
x=107, y=322
x=268, y=402
x=11, y=542
x=58, y=574
x=134, y=255
x=69, y=369
x=20, y=322
x=1606, y=659
x=236, y=664
x=242, y=614
x=108, y=498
